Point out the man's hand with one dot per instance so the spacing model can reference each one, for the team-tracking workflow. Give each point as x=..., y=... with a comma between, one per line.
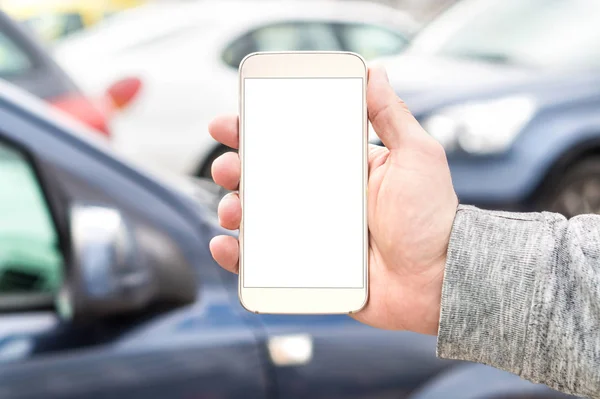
x=411, y=208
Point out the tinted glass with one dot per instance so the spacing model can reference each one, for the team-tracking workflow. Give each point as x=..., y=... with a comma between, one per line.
x=52, y=26
x=292, y=36
x=30, y=260
x=14, y=60
x=370, y=41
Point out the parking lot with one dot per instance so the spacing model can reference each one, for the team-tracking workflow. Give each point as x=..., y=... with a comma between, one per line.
x=107, y=205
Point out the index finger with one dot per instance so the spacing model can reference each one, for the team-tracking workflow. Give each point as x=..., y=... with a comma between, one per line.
x=225, y=130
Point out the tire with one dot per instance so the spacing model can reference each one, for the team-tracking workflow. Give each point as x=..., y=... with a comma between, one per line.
x=576, y=191
x=205, y=169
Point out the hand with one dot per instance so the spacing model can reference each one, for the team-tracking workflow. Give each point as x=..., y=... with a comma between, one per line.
x=411, y=208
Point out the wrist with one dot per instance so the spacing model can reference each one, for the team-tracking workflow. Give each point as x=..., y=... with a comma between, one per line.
x=433, y=297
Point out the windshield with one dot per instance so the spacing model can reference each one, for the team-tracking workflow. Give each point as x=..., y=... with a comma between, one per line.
x=537, y=33
x=51, y=26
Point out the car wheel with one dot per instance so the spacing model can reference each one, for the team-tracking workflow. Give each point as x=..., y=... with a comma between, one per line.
x=205, y=169
x=577, y=191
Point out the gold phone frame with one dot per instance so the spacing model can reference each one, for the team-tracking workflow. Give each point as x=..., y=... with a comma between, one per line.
x=304, y=300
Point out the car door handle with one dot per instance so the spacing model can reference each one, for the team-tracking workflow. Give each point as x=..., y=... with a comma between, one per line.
x=290, y=350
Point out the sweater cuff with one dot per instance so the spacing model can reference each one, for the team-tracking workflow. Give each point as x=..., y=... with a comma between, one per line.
x=488, y=286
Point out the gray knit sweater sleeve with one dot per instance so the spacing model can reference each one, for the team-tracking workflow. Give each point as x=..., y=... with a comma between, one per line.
x=521, y=293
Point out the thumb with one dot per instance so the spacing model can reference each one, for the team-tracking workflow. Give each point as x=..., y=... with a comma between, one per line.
x=388, y=114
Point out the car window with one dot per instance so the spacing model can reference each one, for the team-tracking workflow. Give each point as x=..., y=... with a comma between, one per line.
x=30, y=259
x=52, y=26
x=289, y=36
x=13, y=59
x=533, y=33
x=370, y=41
x=72, y=22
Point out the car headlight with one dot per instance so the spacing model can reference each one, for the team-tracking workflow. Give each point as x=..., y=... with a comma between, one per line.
x=481, y=128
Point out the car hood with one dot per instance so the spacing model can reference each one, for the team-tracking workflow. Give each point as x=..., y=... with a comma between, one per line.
x=426, y=83
x=411, y=73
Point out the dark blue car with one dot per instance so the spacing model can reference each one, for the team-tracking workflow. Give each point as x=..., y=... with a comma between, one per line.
x=511, y=88
x=108, y=290
x=141, y=310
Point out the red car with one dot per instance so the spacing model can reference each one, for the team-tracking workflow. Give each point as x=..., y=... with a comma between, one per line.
x=25, y=63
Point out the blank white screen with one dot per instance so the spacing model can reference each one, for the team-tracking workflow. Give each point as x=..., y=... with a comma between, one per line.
x=303, y=183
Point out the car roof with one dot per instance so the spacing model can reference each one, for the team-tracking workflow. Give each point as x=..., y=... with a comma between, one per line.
x=221, y=11
x=143, y=23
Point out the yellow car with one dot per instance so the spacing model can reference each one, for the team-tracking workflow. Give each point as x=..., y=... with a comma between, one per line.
x=54, y=19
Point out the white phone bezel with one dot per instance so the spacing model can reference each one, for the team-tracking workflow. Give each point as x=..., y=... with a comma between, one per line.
x=303, y=300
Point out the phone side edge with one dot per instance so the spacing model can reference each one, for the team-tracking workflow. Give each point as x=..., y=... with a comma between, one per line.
x=365, y=177
x=241, y=132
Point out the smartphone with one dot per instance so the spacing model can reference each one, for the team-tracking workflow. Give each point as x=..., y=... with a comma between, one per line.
x=303, y=188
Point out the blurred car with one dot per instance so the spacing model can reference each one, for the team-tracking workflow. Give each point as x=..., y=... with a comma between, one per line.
x=183, y=60
x=142, y=310
x=26, y=64
x=512, y=90
x=54, y=19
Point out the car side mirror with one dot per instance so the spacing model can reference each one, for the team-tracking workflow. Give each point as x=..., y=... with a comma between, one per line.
x=108, y=274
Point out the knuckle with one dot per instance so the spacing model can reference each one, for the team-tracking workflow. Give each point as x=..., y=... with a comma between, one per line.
x=432, y=148
x=376, y=115
x=437, y=150
x=390, y=109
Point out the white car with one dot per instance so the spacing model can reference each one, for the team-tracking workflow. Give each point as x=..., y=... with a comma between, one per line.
x=178, y=61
